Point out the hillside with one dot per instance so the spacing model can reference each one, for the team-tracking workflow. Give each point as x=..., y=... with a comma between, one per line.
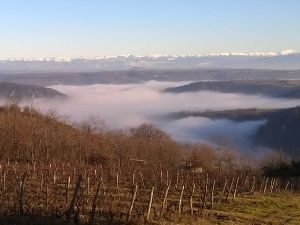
x=50, y=166
x=273, y=88
x=280, y=132
x=28, y=136
x=23, y=91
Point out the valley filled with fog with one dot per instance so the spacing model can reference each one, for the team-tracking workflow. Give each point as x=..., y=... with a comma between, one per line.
x=130, y=105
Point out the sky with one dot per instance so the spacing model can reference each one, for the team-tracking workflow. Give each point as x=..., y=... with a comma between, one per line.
x=90, y=28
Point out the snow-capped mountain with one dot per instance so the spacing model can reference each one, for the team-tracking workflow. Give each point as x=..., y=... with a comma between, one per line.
x=285, y=60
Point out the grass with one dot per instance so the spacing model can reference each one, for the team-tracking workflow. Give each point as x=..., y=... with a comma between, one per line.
x=252, y=210
x=259, y=209
x=247, y=210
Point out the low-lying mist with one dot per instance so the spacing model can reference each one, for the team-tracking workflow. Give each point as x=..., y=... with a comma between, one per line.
x=129, y=105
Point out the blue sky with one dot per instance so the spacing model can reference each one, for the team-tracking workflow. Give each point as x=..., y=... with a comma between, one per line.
x=73, y=28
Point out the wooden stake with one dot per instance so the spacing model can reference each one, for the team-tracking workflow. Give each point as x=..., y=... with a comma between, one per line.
x=230, y=188
x=4, y=181
x=205, y=194
x=94, y=206
x=236, y=187
x=164, y=203
x=253, y=185
x=132, y=203
x=88, y=186
x=22, y=191
x=71, y=209
x=180, y=201
x=54, y=177
x=287, y=185
x=261, y=185
x=177, y=179
x=47, y=197
x=133, y=179
x=103, y=186
x=223, y=191
x=266, y=185
x=212, y=194
x=150, y=204
x=67, y=189
x=191, y=200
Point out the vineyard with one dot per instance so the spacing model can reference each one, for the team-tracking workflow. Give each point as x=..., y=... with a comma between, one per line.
x=53, y=172
x=96, y=195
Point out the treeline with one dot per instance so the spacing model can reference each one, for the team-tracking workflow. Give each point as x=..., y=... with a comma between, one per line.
x=283, y=169
x=26, y=135
x=29, y=136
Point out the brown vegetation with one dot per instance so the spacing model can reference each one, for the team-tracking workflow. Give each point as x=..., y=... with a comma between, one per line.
x=88, y=173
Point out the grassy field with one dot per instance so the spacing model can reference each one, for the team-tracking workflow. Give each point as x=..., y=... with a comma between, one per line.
x=248, y=210
x=255, y=210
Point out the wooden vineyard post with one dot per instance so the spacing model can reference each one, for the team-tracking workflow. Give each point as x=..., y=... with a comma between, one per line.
x=253, y=185
x=95, y=174
x=212, y=194
x=54, y=177
x=177, y=179
x=230, y=188
x=74, y=174
x=132, y=203
x=71, y=209
x=42, y=181
x=67, y=189
x=287, y=185
x=21, y=197
x=246, y=182
x=167, y=177
x=150, y=204
x=117, y=186
x=191, y=200
x=236, y=187
x=88, y=186
x=205, y=194
x=266, y=185
x=4, y=180
x=180, y=201
x=261, y=185
x=161, y=178
x=223, y=191
x=94, y=206
x=47, y=197
x=102, y=183
x=142, y=179
x=272, y=185
x=164, y=203
x=133, y=179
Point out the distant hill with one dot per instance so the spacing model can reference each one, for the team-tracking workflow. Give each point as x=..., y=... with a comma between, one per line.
x=237, y=115
x=273, y=88
x=23, y=91
x=142, y=75
x=280, y=132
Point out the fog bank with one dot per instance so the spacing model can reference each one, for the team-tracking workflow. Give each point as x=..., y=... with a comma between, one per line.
x=130, y=105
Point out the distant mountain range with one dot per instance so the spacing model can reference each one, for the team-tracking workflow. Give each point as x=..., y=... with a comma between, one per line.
x=273, y=88
x=23, y=91
x=285, y=60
